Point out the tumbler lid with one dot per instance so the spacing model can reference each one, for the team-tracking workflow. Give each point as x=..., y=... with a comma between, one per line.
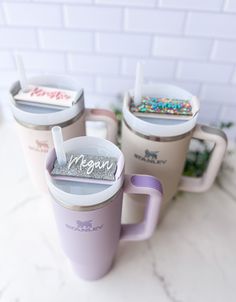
x=34, y=115
x=85, y=193
x=156, y=126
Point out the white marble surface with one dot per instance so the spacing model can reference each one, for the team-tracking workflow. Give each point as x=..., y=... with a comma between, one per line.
x=191, y=257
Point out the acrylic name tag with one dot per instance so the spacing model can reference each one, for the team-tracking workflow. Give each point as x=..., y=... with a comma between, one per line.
x=51, y=97
x=86, y=166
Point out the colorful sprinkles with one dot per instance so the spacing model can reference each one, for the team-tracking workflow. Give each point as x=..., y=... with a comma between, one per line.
x=162, y=106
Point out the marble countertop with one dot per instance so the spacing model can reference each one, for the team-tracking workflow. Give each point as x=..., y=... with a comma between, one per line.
x=190, y=258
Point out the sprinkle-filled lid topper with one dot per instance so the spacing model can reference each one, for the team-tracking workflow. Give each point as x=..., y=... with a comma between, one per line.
x=160, y=106
x=82, y=167
x=166, y=108
x=43, y=96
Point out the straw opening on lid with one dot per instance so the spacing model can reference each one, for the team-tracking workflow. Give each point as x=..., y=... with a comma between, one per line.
x=58, y=144
x=21, y=73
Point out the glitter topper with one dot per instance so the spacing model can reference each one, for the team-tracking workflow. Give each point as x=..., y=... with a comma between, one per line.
x=89, y=166
x=160, y=107
x=81, y=167
x=171, y=108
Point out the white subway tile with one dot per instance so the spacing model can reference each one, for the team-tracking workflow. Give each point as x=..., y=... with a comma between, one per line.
x=123, y=44
x=182, y=47
x=33, y=14
x=3, y=97
x=230, y=5
x=211, y=25
x=234, y=77
x=209, y=113
x=63, y=1
x=6, y=60
x=88, y=83
x=227, y=114
x=193, y=87
x=113, y=86
x=3, y=100
x=154, y=21
x=7, y=78
x=17, y=38
x=207, y=72
x=43, y=62
x=224, y=94
x=17, y=1
x=224, y=51
x=146, y=3
x=160, y=69
x=85, y=81
x=94, y=64
x=66, y=40
x=93, y=17
x=101, y=101
x=5, y=110
x=1, y=16
x=214, y=5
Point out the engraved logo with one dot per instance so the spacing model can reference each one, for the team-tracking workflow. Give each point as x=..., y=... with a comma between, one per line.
x=150, y=157
x=151, y=154
x=84, y=226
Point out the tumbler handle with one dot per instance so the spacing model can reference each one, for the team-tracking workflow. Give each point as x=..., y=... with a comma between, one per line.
x=148, y=185
x=106, y=116
x=218, y=137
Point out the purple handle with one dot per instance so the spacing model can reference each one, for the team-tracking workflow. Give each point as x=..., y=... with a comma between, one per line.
x=151, y=186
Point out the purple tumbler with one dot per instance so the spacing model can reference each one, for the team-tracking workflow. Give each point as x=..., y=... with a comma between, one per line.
x=88, y=214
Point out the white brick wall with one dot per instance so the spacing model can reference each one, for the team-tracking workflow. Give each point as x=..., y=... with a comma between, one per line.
x=185, y=48
x=206, y=72
x=141, y=3
x=222, y=94
x=46, y=61
x=65, y=40
x=224, y=51
x=33, y=14
x=214, y=5
x=189, y=43
x=211, y=25
x=6, y=61
x=230, y=6
x=94, y=64
x=93, y=18
x=154, y=21
x=123, y=44
x=1, y=16
x=166, y=68
x=17, y=38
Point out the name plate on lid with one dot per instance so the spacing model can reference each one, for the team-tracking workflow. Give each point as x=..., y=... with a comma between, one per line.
x=88, y=166
x=47, y=96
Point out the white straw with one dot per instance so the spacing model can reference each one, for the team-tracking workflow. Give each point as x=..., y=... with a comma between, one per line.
x=138, y=83
x=21, y=73
x=58, y=144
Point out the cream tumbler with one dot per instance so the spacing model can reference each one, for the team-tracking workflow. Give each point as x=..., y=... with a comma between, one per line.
x=34, y=124
x=158, y=147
